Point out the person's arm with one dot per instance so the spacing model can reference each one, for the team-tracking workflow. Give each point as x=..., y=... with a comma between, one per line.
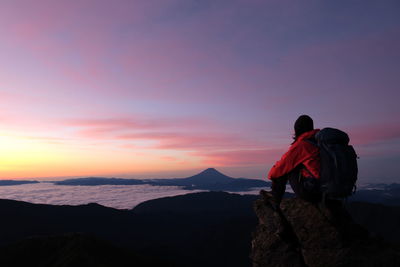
x=290, y=160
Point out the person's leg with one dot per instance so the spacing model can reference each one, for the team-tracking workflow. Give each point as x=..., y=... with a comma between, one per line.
x=312, y=189
x=278, y=187
x=295, y=183
x=305, y=188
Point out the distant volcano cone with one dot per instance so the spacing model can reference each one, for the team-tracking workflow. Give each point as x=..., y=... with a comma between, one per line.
x=212, y=171
x=210, y=175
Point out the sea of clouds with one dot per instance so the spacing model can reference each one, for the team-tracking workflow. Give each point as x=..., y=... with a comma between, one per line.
x=115, y=196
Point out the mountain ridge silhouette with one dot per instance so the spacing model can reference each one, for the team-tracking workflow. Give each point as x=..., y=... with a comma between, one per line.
x=209, y=179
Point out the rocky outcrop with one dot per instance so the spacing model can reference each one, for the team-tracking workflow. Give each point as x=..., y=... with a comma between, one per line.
x=306, y=234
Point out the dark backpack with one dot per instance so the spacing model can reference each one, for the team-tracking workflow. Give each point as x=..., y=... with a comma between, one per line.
x=338, y=163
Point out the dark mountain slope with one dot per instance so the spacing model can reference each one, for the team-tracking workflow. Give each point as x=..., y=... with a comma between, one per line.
x=379, y=219
x=22, y=219
x=16, y=182
x=209, y=227
x=78, y=250
x=388, y=195
x=181, y=233
x=208, y=202
x=200, y=229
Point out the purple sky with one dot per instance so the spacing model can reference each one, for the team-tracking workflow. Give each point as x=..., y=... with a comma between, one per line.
x=169, y=87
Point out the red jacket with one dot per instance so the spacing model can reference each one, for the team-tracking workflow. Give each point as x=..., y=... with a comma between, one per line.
x=300, y=152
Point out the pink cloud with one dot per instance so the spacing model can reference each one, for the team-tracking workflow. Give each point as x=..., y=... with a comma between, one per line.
x=48, y=139
x=375, y=133
x=240, y=157
x=128, y=146
x=168, y=60
x=192, y=141
x=6, y=96
x=165, y=62
x=207, y=142
x=112, y=127
x=25, y=123
x=168, y=134
x=169, y=158
x=55, y=33
x=131, y=122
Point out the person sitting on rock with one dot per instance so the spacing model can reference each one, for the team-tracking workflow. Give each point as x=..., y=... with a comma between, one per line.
x=300, y=165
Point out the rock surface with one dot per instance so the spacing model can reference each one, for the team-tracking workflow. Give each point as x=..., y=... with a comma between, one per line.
x=306, y=234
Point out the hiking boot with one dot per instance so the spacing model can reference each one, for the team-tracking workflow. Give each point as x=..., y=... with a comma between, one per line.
x=270, y=199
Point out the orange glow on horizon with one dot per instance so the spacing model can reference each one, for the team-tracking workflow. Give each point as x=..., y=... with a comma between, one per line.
x=29, y=158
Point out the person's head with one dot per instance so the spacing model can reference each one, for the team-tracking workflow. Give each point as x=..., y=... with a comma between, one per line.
x=303, y=124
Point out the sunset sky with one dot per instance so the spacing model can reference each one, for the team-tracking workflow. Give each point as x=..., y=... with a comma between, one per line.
x=166, y=88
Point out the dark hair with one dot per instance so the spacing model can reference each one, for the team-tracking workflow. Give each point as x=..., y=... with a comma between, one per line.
x=303, y=124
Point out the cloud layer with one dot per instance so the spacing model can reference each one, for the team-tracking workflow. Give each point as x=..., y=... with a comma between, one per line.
x=120, y=197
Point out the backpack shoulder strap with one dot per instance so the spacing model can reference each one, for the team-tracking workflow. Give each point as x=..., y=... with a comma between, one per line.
x=312, y=141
